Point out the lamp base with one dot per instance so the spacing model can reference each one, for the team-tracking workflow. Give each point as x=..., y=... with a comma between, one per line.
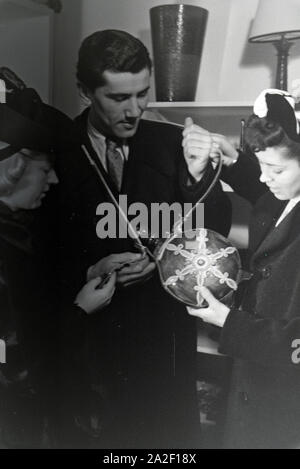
x=283, y=46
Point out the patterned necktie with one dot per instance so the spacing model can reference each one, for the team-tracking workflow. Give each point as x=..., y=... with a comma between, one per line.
x=115, y=162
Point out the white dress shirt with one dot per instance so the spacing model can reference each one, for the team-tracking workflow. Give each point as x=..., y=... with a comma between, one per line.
x=98, y=142
x=289, y=207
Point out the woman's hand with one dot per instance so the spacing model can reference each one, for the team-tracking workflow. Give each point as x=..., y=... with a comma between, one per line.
x=215, y=314
x=91, y=298
x=200, y=146
x=222, y=146
x=112, y=263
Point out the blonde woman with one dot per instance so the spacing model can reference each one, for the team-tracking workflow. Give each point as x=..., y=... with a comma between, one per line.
x=41, y=334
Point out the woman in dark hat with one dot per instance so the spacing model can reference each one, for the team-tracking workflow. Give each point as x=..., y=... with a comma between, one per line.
x=263, y=334
x=40, y=333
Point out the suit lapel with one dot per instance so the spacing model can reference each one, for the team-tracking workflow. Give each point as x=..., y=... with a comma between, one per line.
x=82, y=128
x=149, y=153
x=138, y=151
x=279, y=237
x=263, y=219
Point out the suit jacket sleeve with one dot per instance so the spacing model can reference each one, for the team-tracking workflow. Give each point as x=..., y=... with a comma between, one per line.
x=243, y=177
x=217, y=206
x=268, y=341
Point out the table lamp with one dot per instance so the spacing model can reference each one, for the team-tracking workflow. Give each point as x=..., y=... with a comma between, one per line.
x=277, y=22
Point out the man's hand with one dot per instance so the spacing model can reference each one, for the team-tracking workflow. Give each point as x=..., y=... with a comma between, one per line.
x=130, y=268
x=136, y=272
x=197, y=144
x=215, y=314
x=200, y=145
x=92, y=297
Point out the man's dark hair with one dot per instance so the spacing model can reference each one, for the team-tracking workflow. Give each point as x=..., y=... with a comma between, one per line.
x=113, y=50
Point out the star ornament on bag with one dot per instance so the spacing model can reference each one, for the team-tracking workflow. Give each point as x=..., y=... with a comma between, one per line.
x=201, y=261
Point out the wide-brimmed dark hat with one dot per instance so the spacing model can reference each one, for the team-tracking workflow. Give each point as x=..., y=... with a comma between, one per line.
x=279, y=106
x=26, y=122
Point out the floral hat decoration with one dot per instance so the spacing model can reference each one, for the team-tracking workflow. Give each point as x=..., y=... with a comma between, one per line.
x=27, y=122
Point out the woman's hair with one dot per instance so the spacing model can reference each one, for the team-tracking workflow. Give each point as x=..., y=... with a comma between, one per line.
x=261, y=133
x=11, y=171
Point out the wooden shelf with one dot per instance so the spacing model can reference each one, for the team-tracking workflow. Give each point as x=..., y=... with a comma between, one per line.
x=221, y=117
x=230, y=108
x=12, y=11
x=174, y=111
x=196, y=104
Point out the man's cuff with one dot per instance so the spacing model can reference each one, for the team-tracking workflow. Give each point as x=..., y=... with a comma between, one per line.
x=191, y=181
x=79, y=312
x=89, y=273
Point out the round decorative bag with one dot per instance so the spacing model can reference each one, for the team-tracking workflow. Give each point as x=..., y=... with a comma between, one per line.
x=196, y=258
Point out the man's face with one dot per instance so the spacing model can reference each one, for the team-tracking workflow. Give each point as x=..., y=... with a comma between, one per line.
x=117, y=106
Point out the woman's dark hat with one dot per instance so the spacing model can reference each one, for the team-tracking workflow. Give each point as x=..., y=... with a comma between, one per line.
x=278, y=106
x=26, y=122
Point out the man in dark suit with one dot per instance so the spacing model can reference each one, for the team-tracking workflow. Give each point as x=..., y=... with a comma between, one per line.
x=142, y=350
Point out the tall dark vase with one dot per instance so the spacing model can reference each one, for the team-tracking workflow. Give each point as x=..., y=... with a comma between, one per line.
x=177, y=36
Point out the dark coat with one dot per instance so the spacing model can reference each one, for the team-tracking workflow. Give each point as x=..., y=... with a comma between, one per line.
x=24, y=290
x=29, y=327
x=264, y=410
x=143, y=346
x=48, y=334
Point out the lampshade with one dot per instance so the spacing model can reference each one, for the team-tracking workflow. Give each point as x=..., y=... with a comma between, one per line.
x=274, y=19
